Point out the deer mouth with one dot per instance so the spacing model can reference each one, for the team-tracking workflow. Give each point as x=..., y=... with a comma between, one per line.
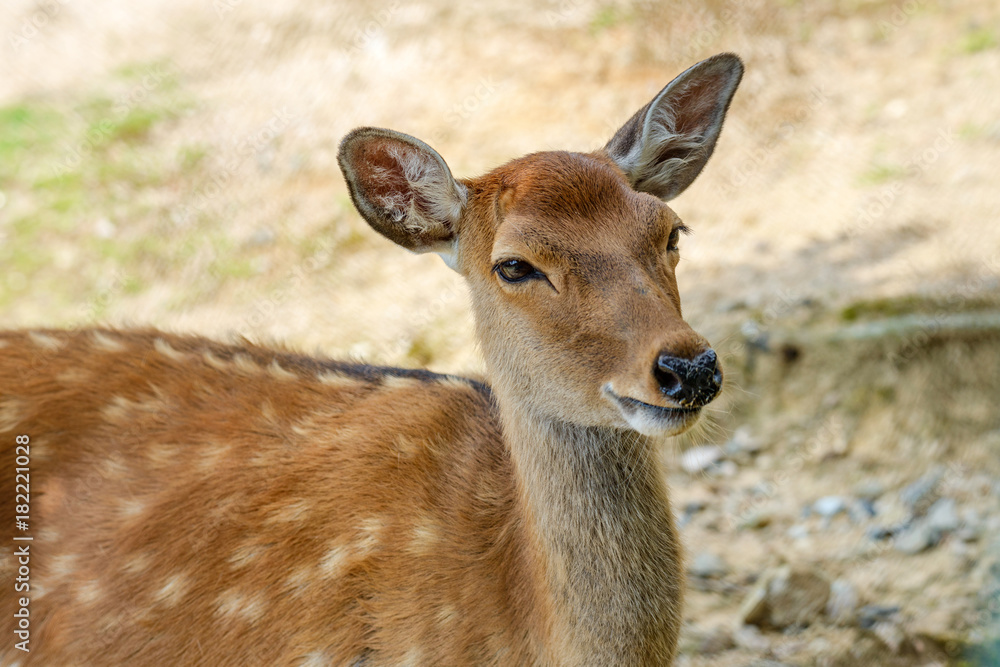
x=652, y=419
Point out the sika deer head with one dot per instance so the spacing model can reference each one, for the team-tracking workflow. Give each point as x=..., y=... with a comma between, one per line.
x=570, y=257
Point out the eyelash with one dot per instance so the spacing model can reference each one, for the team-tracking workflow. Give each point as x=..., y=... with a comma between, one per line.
x=675, y=235
x=529, y=270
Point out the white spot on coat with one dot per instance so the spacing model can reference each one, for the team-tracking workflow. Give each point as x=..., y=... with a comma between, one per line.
x=163, y=347
x=45, y=341
x=172, y=591
x=106, y=342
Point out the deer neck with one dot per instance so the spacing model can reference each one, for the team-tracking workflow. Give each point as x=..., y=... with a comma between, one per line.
x=608, y=558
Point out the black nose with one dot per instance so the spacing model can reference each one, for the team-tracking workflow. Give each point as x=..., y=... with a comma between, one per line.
x=690, y=382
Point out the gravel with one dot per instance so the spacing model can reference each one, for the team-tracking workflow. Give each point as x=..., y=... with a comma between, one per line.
x=920, y=494
x=701, y=458
x=842, y=606
x=829, y=506
x=942, y=517
x=916, y=538
x=785, y=597
x=708, y=566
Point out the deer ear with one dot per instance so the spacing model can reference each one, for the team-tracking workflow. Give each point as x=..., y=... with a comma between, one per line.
x=403, y=189
x=666, y=144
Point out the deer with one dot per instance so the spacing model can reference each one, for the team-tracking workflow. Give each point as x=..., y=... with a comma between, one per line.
x=184, y=501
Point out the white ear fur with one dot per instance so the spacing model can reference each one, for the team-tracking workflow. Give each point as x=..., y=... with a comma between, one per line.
x=404, y=189
x=450, y=255
x=666, y=144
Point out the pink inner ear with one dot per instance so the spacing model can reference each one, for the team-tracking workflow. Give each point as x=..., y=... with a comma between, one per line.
x=696, y=105
x=381, y=176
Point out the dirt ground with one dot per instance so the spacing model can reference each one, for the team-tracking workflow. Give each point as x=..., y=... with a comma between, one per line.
x=173, y=164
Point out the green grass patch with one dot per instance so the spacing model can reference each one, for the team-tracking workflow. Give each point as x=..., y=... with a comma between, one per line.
x=979, y=39
x=881, y=173
x=912, y=304
x=136, y=125
x=608, y=17
x=189, y=157
x=971, y=131
x=421, y=352
x=127, y=167
x=26, y=130
x=232, y=267
x=75, y=160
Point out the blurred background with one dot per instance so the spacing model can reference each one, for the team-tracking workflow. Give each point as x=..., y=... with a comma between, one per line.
x=172, y=163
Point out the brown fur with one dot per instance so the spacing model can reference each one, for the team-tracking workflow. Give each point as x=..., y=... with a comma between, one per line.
x=201, y=503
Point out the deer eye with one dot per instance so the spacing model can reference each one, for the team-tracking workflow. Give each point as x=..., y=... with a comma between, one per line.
x=675, y=237
x=515, y=270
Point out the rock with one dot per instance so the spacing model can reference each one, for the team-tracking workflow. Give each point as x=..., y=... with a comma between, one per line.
x=725, y=469
x=891, y=510
x=749, y=637
x=799, y=531
x=698, y=459
x=697, y=640
x=920, y=494
x=798, y=598
x=891, y=635
x=938, y=625
x=994, y=568
x=878, y=533
x=842, y=606
x=756, y=520
x=991, y=526
x=871, y=614
x=870, y=490
x=861, y=510
x=754, y=608
x=708, y=566
x=104, y=228
x=972, y=527
x=690, y=510
x=716, y=641
x=694, y=506
x=987, y=596
x=965, y=556
x=829, y=506
x=785, y=597
x=942, y=518
x=820, y=646
x=262, y=237
x=743, y=442
x=915, y=538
